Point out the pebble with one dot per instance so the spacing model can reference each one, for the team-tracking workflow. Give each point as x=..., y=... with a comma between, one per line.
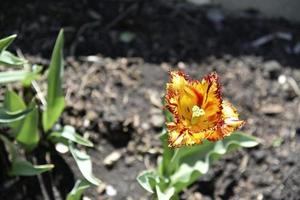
x=154, y=98
x=129, y=160
x=110, y=191
x=112, y=158
x=272, y=109
x=101, y=188
x=91, y=115
x=157, y=120
x=272, y=69
x=61, y=148
x=145, y=126
x=259, y=155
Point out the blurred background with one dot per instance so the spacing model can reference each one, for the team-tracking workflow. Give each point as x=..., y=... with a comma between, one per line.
x=118, y=53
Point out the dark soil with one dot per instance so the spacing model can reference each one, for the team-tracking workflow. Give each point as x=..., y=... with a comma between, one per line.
x=114, y=97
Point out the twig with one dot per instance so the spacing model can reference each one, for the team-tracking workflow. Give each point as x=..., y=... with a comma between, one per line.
x=120, y=17
x=39, y=94
x=80, y=32
x=34, y=84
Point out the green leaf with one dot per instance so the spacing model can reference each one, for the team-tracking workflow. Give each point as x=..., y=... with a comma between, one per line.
x=147, y=179
x=25, y=168
x=55, y=97
x=13, y=76
x=78, y=189
x=191, y=162
x=165, y=195
x=13, y=103
x=5, y=42
x=28, y=133
x=84, y=164
x=8, y=117
x=7, y=58
x=69, y=133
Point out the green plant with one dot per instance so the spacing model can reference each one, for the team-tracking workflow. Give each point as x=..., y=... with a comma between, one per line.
x=32, y=118
x=196, y=116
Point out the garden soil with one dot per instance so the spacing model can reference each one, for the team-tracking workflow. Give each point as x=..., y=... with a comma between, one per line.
x=118, y=54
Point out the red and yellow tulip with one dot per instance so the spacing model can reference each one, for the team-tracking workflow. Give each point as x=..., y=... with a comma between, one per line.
x=198, y=110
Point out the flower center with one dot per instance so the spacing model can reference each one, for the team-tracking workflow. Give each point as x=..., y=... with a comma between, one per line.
x=197, y=113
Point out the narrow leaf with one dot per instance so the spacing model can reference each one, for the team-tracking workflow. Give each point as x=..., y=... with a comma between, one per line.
x=28, y=134
x=13, y=76
x=25, y=168
x=147, y=180
x=7, y=58
x=84, y=164
x=55, y=97
x=78, y=189
x=13, y=103
x=70, y=134
x=5, y=42
x=8, y=117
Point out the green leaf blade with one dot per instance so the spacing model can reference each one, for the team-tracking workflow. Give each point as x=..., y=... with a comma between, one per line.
x=7, y=58
x=79, y=187
x=8, y=117
x=84, y=164
x=25, y=168
x=5, y=42
x=147, y=180
x=194, y=161
x=28, y=133
x=70, y=134
x=55, y=97
x=13, y=76
x=13, y=103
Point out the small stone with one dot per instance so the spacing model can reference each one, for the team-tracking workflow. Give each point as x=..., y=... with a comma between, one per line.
x=157, y=120
x=197, y=196
x=154, y=98
x=86, y=123
x=111, y=191
x=129, y=160
x=181, y=65
x=91, y=115
x=272, y=109
x=131, y=146
x=272, y=69
x=282, y=79
x=101, y=188
x=145, y=126
x=61, y=148
x=79, y=105
x=112, y=158
x=259, y=156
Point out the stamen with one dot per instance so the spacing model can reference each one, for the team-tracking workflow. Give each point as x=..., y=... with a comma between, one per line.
x=197, y=111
